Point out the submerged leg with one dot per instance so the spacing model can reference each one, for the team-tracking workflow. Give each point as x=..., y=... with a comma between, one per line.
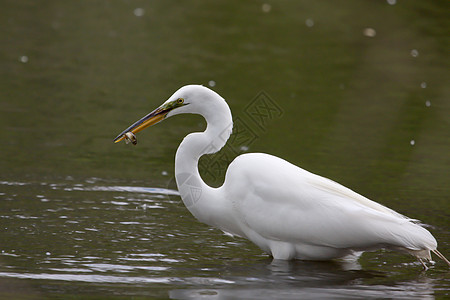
x=423, y=264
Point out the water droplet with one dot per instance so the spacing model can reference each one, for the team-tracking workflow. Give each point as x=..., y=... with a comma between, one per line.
x=266, y=7
x=55, y=25
x=23, y=59
x=428, y=103
x=309, y=22
x=412, y=142
x=414, y=53
x=212, y=83
x=369, y=32
x=391, y=2
x=139, y=12
x=423, y=85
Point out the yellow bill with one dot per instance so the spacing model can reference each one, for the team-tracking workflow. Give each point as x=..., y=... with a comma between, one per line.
x=152, y=118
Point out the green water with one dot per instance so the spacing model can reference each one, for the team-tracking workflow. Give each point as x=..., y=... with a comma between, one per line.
x=361, y=95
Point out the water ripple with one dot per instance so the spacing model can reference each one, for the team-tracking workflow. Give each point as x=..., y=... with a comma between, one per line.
x=97, y=188
x=94, y=278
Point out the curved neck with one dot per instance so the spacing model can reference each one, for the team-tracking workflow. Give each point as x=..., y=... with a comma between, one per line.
x=197, y=196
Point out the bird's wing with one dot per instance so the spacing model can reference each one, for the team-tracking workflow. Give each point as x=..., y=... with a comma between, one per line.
x=280, y=201
x=333, y=188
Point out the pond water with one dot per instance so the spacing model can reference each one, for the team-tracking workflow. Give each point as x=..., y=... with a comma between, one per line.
x=355, y=91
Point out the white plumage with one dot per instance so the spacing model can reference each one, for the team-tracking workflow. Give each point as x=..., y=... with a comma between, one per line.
x=316, y=218
x=288, y=212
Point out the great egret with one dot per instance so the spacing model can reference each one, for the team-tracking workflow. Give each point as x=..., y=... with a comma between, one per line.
x=288, y=212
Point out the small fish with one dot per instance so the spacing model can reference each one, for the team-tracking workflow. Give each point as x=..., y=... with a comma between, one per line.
x=130, y=137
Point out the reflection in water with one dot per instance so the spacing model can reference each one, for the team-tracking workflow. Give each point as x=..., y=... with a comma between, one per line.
x=407, y=291
x=309, y=280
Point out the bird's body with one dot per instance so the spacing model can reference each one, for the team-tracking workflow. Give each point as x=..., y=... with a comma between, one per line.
x=285, y=210
x=319, y=219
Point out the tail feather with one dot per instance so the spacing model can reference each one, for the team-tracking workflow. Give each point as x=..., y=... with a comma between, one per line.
x=439, y=254
x=420, y=243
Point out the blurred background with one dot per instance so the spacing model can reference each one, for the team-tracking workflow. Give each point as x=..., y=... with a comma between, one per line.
x=363, y=93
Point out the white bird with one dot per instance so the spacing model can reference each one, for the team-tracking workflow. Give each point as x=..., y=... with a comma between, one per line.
x=287, y=211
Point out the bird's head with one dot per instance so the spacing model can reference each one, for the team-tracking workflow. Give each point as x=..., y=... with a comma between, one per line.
x=195, y=99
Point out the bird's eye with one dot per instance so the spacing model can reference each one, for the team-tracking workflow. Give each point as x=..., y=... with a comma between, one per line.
x=180, y=101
